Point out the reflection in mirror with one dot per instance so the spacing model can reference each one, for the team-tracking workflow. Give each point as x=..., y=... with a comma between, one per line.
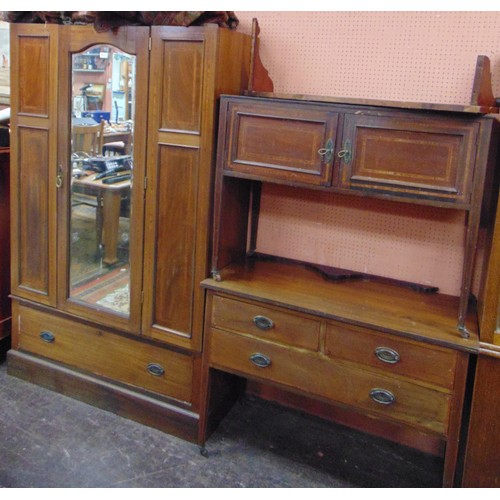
x=101, y=164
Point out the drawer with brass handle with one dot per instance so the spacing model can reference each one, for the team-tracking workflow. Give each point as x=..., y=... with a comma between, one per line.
x=348, y=384
x=390, y=353
x=270, y=323
x=106, y=354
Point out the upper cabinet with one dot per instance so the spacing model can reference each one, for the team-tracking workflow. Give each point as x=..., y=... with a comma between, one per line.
x=367, y=150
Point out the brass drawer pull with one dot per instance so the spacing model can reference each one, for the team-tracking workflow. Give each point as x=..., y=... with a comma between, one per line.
x=387, y=355
x=263, y=323
x=260, y=360
x=382, y=396
x=155, y=369
x=48, y=337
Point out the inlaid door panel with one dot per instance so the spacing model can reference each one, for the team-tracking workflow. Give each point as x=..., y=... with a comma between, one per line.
x=175, y=238
x=279, y=142
x=182, y=85
x=33, y=66
x=33, y=271
x=418, y=158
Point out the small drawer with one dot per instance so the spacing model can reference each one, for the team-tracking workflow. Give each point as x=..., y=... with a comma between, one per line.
x=105, y=354
x=395, y=355
x=269, y=323
x=352, y=385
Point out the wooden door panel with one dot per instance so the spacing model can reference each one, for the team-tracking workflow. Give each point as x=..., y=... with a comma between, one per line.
x=175, y=239
x=33, y=206
x=33, y=68
x=280, y=142
x=182, y=85
x=34, y=161
x=181, y=112
x=406, y=157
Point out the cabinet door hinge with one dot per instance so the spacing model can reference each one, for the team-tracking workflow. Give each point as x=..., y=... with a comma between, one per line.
x=150, y=43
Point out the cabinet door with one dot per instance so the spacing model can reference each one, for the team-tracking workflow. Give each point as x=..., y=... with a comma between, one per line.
x=413, y=156
x=101, y=222
x=280, y=142
x=33, y=160
x=180, y=147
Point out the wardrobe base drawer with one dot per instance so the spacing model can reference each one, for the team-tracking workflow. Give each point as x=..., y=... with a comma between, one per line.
x=106, y=354
x=349, y=384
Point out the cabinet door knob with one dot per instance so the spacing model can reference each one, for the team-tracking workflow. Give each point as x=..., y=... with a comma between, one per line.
x=326, y=153
x=387, y=355
x=155, y=369
x=263, y=323
x=47, y=336
x=260, y=360
x=346, y=152
x=382, y=396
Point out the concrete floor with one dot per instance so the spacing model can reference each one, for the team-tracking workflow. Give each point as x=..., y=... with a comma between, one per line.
x=51, y=441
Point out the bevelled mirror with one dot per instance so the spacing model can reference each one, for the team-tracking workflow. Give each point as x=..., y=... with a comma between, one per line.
x=102, y=142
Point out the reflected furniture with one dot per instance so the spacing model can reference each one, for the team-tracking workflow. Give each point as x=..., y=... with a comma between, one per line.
x=88, y=139
x=144, y=362
x=5, y=307
x=109, y=198
x=373, y=352
x=122, y=139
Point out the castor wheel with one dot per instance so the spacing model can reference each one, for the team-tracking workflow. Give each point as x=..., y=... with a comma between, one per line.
x=203, y=452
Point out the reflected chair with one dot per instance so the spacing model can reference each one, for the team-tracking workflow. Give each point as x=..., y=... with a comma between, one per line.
x=88, y=139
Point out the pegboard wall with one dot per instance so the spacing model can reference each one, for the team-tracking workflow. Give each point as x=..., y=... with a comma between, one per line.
x=402, y=56
x=419, y=244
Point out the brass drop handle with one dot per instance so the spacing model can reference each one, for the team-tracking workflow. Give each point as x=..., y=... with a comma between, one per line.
x=346, y=152
x=155, y=369
x=260, y=360
x=47, y=336
x=326, y=153
x=382, y=396
x=263, y=323
x=387, y=355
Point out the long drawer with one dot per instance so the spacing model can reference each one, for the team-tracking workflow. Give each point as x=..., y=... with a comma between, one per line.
x=353, y=385
x=106, y=354
x=392, y=354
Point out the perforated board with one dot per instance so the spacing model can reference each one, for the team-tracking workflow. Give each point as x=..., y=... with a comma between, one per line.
x=401, y=56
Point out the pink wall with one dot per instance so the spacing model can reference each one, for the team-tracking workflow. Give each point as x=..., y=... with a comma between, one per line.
x=410, y=56
x=402, y=56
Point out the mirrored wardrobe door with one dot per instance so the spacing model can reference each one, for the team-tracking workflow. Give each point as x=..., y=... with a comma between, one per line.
x=102, y=176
